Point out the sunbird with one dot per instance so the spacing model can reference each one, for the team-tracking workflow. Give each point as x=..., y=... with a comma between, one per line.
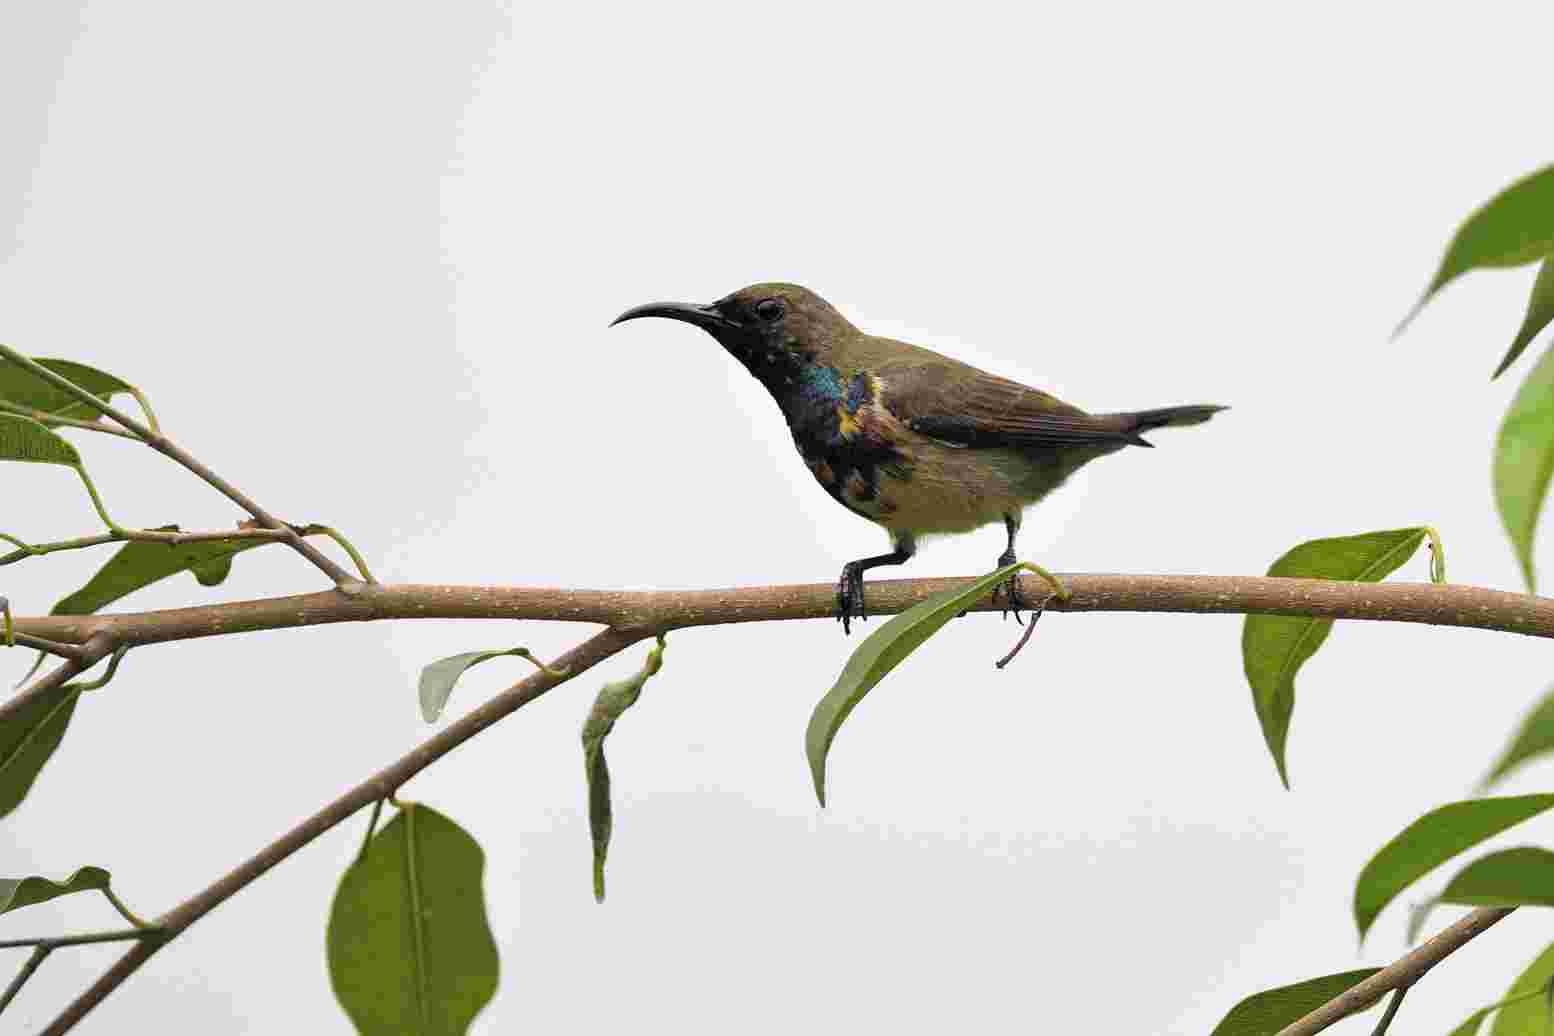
x=912, y=440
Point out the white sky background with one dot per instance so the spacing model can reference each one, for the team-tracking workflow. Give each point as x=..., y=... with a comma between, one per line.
x=362, y=257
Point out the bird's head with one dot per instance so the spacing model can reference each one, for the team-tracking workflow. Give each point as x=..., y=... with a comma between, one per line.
x=771, y=328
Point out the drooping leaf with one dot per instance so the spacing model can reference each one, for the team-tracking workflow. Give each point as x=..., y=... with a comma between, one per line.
x=1512, y=877
x=883, y=650
x=1271, y=1010
x=16, y=893
x=1274, y=647
x=1530, y=1014
x=138, y=565
x=1524, y=460
x=1535, y=737
x=1432, y=840
x=23, y=439
x=437, y=679
x=1540, y=310
x=1514, y=227
x=409, y=946
x=608, y=707
x=29, y=738
x=24, y=389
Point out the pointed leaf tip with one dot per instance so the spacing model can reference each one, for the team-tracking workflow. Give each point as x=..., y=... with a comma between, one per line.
x=1540, y=310
x=1432, y=840
x=28, y=741
x=1514, y=227
x=883, y=650
x=1524, y=462
x=1274, y=647
x=438, y=678
x=1273, y=1009
x=1534, y=737
x=612, y=702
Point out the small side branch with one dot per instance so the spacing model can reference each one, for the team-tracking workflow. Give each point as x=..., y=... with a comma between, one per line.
x=375, y=789
x=152, y=436
x=1401, y=974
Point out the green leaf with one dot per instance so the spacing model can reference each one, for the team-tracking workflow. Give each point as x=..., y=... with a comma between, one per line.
x=1540, y=310
x=29, y=738
x=1533, y=738
x=1513, y=877
x=16, y=893
x=1471, y=1024
x=24, y=389
x=138, y=565
x=608, y=707
x=1273, y=1009
x=409, y=946
x=23, y=439
x=1432, y=840
x=1531, y=1013
x=437, y=679
x=1514, y=227
x=886, y=648
x=1274, y=647
x=1524, y=460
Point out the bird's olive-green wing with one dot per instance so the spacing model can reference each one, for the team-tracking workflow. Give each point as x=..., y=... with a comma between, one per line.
x=959, y=404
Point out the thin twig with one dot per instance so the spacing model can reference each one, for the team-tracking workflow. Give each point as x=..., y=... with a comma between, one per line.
x=54, y=942
x=1391, y=1012
x=376, y=788
x=37, y=957
x=162, y=444
x=44, y=417
x=1401, y=974
x=53, y=647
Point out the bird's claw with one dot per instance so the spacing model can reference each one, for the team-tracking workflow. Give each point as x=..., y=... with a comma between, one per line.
x=1011, y=591
x=849, y=598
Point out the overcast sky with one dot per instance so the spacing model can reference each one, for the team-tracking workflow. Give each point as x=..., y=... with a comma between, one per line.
x=362, y=257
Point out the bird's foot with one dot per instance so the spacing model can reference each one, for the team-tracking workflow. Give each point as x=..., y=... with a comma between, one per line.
x=849, y=597
x=1015, y=600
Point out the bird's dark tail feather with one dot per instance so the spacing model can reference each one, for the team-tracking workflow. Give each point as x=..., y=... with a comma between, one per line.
x=1166, y=417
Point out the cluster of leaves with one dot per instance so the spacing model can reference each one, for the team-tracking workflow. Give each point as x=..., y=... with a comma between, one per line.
x=1514, y=228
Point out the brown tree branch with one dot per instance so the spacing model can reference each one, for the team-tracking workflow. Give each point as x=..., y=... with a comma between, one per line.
x=1401, y=974
x=376, y=788
x=631, y=616
x=654, y=611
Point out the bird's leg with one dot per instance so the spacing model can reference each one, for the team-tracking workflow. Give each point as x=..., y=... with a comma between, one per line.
x=849, y=589
x=1012, y=588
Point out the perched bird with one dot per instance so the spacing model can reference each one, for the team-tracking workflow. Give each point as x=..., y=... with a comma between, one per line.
x=908, y=438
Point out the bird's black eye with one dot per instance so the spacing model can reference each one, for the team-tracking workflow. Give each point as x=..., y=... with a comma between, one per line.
x=769, y=309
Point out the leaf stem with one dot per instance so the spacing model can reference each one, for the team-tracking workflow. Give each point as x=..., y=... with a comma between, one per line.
x=372, y=825
x=124, y=911
x=345, y=544
x=113, y=667
x=97, y=501
x=1437, y=555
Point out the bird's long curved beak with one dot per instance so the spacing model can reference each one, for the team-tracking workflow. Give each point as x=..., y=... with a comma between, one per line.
x=705, y=317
